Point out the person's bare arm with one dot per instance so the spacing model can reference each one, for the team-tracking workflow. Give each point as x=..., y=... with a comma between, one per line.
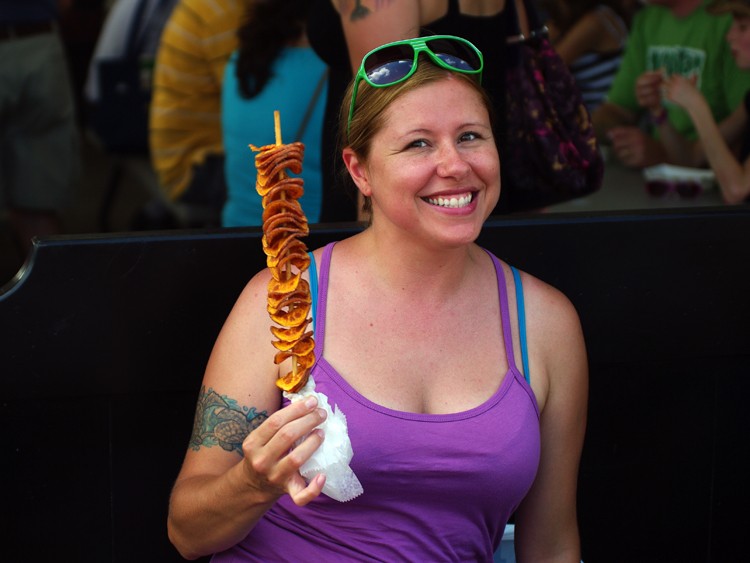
x=546, y=521
x=609, y=115
x=580, y=38
x=239, y=461
x=369, y=23
x=716, y=140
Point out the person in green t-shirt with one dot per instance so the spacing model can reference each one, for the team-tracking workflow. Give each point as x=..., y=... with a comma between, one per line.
x=668, y=37
x=717, y=142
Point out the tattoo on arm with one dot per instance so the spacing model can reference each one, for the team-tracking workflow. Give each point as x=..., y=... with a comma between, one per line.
x=360, y=12
x=220, y=421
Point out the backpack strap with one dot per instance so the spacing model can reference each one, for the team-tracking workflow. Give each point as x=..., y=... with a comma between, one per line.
x=311, y=105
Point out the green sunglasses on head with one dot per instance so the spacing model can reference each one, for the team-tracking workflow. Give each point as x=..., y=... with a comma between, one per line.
x=394, y=62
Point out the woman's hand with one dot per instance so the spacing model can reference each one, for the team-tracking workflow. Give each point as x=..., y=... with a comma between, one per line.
x=682, y=90
x=272, y=461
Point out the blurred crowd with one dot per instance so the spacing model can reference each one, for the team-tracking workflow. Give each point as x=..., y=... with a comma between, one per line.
x=180, y=88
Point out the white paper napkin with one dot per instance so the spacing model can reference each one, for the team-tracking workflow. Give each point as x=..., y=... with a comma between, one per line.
x=334, y=454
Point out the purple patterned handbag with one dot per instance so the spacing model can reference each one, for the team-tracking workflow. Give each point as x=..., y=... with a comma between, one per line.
x=551, y=151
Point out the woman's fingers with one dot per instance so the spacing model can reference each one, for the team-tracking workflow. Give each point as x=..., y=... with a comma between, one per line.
x=270, y=451
x=303, y=493
x=304, y=411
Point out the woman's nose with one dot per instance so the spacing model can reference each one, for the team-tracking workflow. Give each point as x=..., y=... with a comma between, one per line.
x=452, y=163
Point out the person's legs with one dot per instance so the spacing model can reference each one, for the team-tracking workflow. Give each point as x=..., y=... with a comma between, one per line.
x=40, y=159
x=203, y=200
x=198, y=207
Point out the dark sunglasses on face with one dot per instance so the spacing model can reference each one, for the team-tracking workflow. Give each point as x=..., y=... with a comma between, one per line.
x=394, y=62
x=662, y=188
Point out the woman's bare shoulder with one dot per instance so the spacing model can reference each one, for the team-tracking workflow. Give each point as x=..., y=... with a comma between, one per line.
x=557, y=349
x=548, y=309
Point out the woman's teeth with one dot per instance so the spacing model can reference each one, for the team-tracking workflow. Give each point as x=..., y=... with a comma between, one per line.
x=453, y=202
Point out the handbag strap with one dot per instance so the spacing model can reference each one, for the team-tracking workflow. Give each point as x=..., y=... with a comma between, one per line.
x=132, y=45
x=311, y=106
x=142, y=26
x=513, y=26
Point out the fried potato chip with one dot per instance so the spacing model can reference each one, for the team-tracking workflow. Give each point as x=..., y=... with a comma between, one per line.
x=283, y=206
x=289, y=301
x=291, y=245
x=303, y=362
x=284, y=286
x=290, y=334
x=290, y=317
x=291, y=382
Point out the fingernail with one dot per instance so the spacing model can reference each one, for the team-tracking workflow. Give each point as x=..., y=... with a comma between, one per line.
x=322, y=414
x=310, y=402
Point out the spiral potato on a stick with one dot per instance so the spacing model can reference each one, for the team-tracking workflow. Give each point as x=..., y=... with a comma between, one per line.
x=289, y=300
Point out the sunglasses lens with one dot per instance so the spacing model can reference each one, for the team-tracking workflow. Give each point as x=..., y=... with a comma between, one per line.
x=657, y=188
x=688, y=189
x=455, y=54
x=389, y=65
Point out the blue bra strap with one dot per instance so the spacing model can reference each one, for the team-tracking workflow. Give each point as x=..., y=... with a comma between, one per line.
x=521, y=324
x=313, y=270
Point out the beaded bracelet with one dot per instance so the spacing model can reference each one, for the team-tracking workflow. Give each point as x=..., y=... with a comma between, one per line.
x=660, y=118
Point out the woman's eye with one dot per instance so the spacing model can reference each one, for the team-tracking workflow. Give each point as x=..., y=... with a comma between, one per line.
x=469, y=136
x=417, y=144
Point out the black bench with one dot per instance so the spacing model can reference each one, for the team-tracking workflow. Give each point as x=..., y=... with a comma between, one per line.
x=104, y=340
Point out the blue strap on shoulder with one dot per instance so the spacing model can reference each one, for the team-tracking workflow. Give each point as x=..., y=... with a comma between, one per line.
x=313, y=283
x=521, y=324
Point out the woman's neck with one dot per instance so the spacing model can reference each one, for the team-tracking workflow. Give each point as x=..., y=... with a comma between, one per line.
x=411, y=267
x=301, y=41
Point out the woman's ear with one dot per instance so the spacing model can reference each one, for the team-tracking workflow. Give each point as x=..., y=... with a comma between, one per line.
x=357, y=170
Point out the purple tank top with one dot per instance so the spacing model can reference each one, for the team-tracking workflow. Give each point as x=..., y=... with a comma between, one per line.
x=436, y=487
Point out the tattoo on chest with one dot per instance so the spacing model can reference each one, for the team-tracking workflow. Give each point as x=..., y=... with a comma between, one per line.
x=221, y=421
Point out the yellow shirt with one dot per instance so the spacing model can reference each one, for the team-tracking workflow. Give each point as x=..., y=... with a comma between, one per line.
x=185, y=114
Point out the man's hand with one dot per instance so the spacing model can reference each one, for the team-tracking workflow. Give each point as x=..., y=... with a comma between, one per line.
x=648, y=88
x=634, y=148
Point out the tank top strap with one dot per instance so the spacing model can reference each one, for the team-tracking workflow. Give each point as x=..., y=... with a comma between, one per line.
x=321, y=299
x=504, y=310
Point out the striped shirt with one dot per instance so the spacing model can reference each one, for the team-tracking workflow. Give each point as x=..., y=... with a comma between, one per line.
x=185, y=114
x=594, y=72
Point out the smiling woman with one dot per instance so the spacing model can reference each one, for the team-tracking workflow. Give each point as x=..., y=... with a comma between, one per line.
x=451, y=436
x=438, y=171
x=388, y=68
x=442, y=158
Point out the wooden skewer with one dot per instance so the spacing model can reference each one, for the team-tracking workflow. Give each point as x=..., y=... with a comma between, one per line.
x=287, y=271
x=277, y=125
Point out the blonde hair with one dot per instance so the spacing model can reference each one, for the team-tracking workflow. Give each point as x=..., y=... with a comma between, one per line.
x=371, y=104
